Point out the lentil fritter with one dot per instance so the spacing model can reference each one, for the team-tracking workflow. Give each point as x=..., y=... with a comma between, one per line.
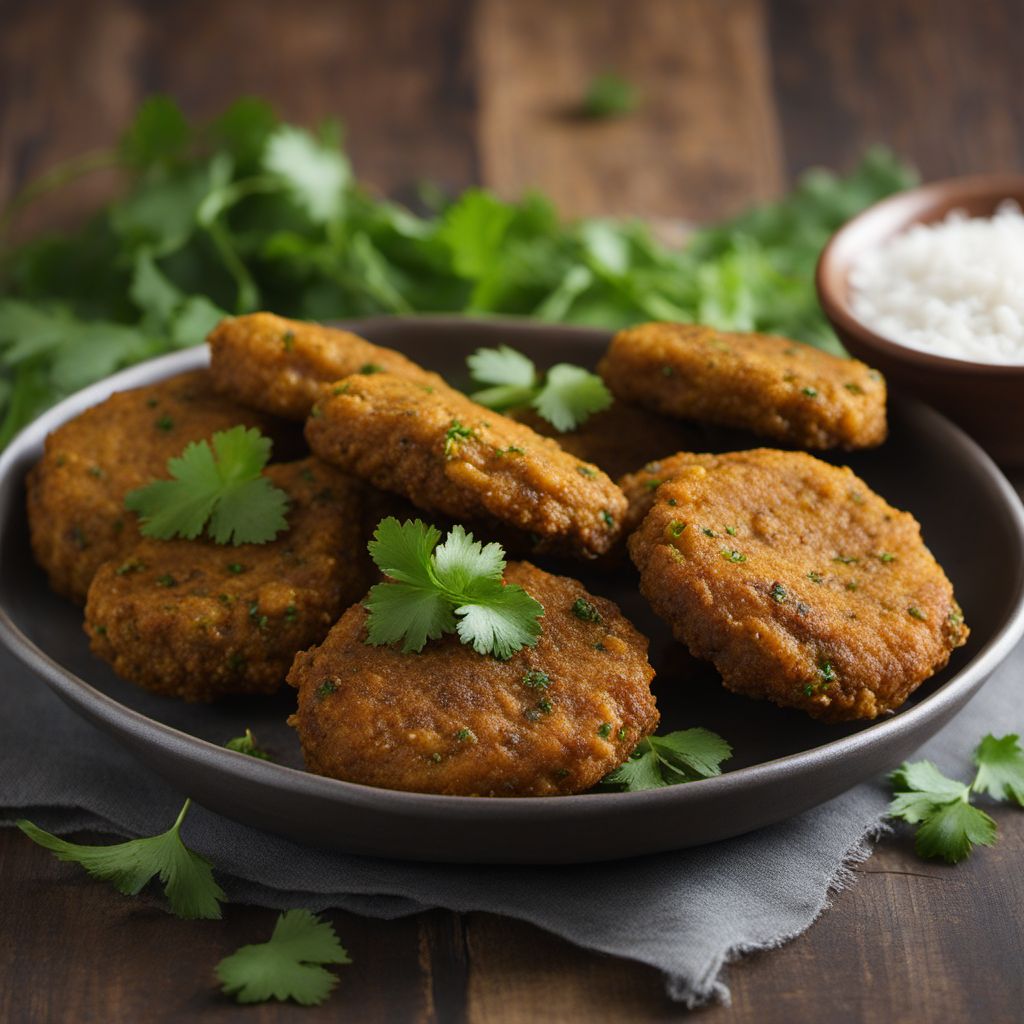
x=552, y=719
x=772, y=386
x=199, y=620
x=448, y=454
x=800, y=584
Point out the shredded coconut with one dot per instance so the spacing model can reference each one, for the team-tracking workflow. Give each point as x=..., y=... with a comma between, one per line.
x=954, y=288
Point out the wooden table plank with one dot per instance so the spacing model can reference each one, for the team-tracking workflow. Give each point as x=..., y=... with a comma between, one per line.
x=703, y=142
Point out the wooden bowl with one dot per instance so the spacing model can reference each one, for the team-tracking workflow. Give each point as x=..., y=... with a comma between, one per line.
x=987, y=400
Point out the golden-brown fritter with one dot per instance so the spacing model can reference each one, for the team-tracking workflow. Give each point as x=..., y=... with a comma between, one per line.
x=770, y=385
x=800, y=584
x=620, y=438
x=640, y=487
x=282, y=366
x=199, y=620
x=551, y=720
x=76, y=514
x=448, y=454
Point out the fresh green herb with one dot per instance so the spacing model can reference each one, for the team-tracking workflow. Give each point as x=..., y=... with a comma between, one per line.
x=675, y=528
x=247, y=745
x=258, y=620
x=544, y=706
x=606, y=517
x=291, y=614
x=1000, y=768
x=731, y=530
x=436, y=757
x=708, y=532
x=915, y=613
x=828, y=673
x=653, y=485
x=778, y=593
x=609, y=95
x=536, y=680
x=96, y=472
x=167, y=580
x=455, y=587
x=221, y=488
x=815, y=577
x=885, y=556
x=623, y=733
x=567, y=397
x=453, y=435
x=236, y=568
x=288, y=966
x=187, y=878
x=326, y=688
x=288, y=340
x=604, y=730
x=512, y=449
x=810, y=392
x=165, y=423
x=846, y=560
x=587, y=471
x=732, y=555
x=465, y=735
x=666, y=760
x=584, y=610
x=368, y=369
x=854, y=389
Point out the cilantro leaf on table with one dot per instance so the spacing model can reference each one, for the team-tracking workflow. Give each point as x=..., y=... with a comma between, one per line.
x=454, y=587
x=683, y=756
x=949, y=825
x=1000, y=768
x=247, y=745
x=221, y=488
x=609, y=95
x=287, y=966
x=567, y=396
x=187, y=878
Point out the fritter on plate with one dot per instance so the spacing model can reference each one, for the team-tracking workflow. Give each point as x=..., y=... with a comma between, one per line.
x=448, y=454
x=553, y=719
x=800, y=584
x=76, y=514
x=282, y=366
x=770, y=385
x=199, y=620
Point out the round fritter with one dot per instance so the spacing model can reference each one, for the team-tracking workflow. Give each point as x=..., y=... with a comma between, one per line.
x=770, y=385
x=76, y=491
x=199, y=620
x=551, y=720
x=282, y=366
x=448, y=454
x=620, y=438
x=641, y=486
x=800, y=584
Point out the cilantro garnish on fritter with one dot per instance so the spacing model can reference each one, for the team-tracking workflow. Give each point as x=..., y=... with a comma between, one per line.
x=221, y=488
x=683, y=756
x=566, y=397
x=287, y=966
x=454, y=587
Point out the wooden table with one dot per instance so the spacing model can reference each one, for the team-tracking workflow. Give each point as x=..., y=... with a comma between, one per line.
x=739, y=96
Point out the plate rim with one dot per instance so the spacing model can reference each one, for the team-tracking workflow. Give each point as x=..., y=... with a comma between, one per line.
x=106, y=711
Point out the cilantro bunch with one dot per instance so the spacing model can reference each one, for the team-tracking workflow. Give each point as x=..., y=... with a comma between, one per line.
x=246, y=212
x=454, y=587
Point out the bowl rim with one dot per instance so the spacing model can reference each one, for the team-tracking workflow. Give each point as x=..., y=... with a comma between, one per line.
x=115, y=717
x=913, y=203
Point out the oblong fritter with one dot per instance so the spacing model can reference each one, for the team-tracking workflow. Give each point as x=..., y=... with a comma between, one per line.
x=800, y=584
x=282, y=366
x=552, y=719
x=76, y=514
x=199, y=620
x=772, y=386
x=448, y=454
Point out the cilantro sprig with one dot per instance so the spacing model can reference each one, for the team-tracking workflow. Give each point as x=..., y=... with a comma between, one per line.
x=221, y=488
x=683, y=756
x=289, y=965
x=566, y=397
x=187, y=878
x=247, y=745
x=949, y=825
x=454, y=587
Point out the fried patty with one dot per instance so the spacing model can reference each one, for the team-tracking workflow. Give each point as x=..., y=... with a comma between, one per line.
x=800, y=584
x=449, y=455
x=282, y=366
x=76, y=491
x=620, y=438
x=770, y=385
x=551, y=720
x=640, y=487
x=199, y=620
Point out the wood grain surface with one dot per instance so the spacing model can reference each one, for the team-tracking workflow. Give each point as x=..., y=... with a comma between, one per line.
x=738, y=97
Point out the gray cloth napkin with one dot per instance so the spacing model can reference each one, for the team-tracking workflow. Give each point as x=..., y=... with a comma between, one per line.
x=687, y=913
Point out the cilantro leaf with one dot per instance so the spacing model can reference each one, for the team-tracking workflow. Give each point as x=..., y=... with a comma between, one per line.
x=570, y=396
x=316, y=174
x=247, y=745
x=189, y=885
x=949, y=825
x=456, y=587
x=1000, y=768
x=683, y=756
x=566, y=398
x=609, y=95
x=221, y=488
x=288, y=965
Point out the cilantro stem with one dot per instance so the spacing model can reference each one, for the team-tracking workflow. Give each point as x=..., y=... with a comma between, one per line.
x=248, y=294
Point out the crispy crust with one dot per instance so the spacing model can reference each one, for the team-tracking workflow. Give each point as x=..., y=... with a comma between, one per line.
x=450, y=721
x=773, y=386
x=175, y=618
x=448, y=454
x=823, y=598
x=282, y=366
x=76, y=491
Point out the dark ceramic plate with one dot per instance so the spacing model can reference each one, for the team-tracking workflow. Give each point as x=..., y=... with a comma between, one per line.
x=784, y=762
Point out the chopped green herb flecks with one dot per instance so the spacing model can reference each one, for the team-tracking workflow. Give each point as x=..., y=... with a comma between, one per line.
x=598, y=646
x=828, y=673
x=623, y=733
x=801, y=608
x=291, y=614
x=846, y=559
x=731, y=530
x=732, y=555
x=885, y=556
x=435, y=757
x=584, y=610
x=455, y=433
x=236, y=568
x=778, y=593
x=810, y=392
x=544, y=706
x=854, y=389
x=96, y=472
x=370, y=368
x=132, y=565
x=325, y=689
x=604, y=730
x=653, y=485
x=167, y=580
x=587, y=471
x=915, y=613
x=465, y=735
x=165, y=423
x=512, y=449
x=852, y=584
x=667, y=371
x=675, y=528
x=256, y=617
x=536, y=680
x=672, y=502
x=340, y=389
x=607, y=518
x=708, y=532
x=856, y=497
x=815, y=577
x=288, y=341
